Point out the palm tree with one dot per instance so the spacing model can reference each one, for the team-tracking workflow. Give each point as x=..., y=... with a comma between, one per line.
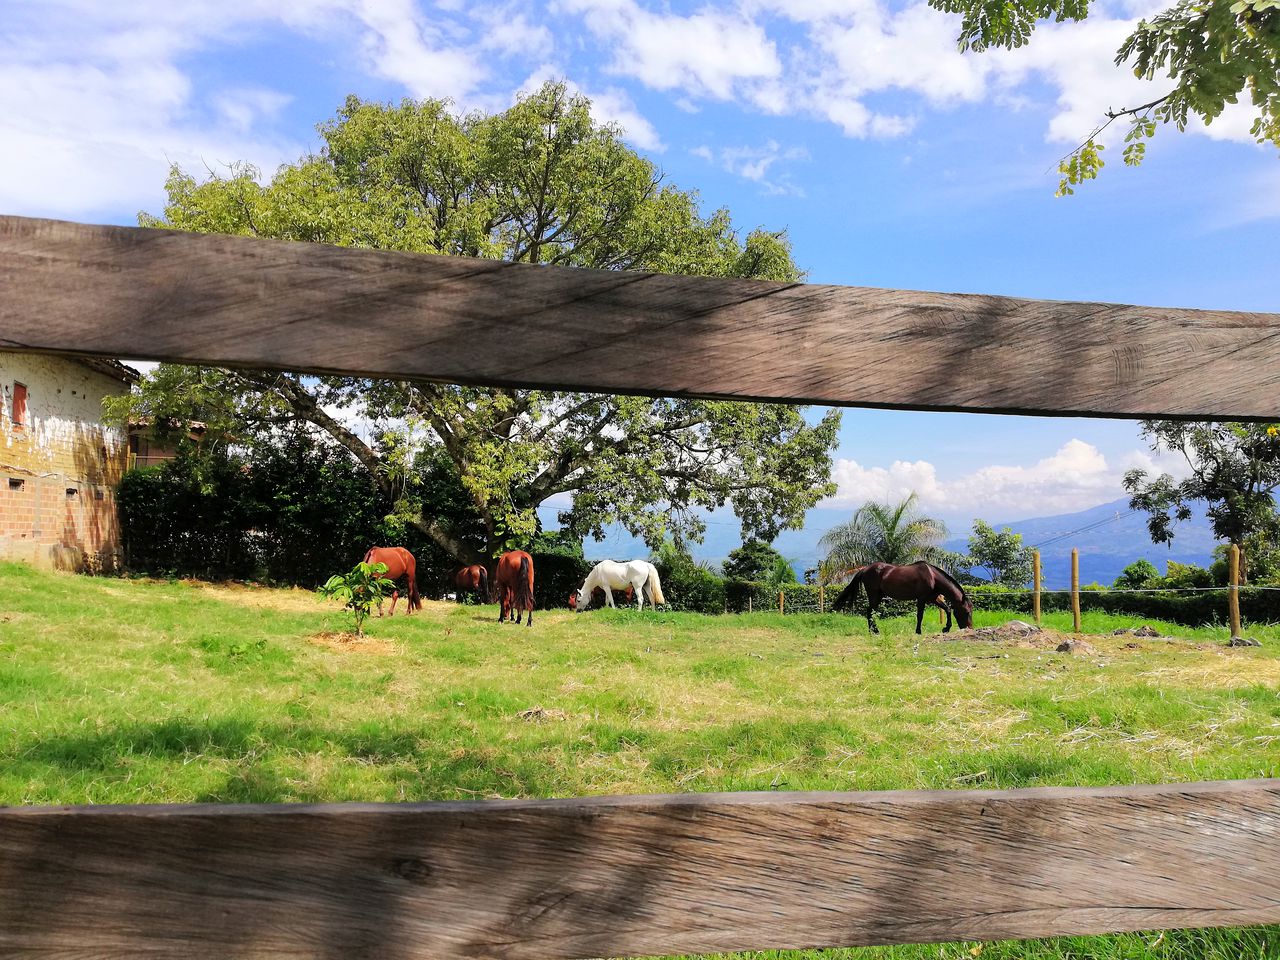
x=883, y=532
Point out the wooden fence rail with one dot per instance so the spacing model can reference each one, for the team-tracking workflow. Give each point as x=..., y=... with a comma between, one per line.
x=156, y=294
x=615, y=876
x=626, y=875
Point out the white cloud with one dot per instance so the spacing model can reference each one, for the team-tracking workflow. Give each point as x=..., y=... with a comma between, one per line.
x=709, y=53
x=1075, y=477
x=754, y=163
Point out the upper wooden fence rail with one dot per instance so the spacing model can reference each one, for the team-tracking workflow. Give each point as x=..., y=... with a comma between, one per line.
x=626, y=875
x=155, y=294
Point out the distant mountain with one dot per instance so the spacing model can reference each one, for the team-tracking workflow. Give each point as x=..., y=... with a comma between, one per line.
x=1109, y=536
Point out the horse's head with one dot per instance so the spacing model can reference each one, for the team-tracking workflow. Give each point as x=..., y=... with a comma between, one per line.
x=964, y=613
x=578, y=601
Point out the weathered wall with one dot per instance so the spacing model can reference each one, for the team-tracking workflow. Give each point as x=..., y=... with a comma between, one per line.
x=59, y=471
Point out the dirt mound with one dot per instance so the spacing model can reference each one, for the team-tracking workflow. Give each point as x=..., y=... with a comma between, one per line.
x=1019, y=633
x=1142, y=631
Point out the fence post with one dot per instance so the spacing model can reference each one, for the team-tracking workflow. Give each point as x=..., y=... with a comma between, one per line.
x=1233, y=592
x=781, y=602
x=1035, y=588
x=821, y=598
x=1075, y=589
x=748, y=603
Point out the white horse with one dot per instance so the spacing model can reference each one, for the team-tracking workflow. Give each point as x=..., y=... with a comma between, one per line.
x=610, y=575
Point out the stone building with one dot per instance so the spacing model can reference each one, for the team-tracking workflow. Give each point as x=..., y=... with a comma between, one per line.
x=59, y=464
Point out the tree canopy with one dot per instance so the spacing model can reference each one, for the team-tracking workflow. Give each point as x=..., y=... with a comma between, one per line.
x=758, y=562
x=538, y=183
x=1211, y=54
x=1233, y=467
x=1000, y=553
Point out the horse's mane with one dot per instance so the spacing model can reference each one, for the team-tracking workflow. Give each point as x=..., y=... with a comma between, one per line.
x=950, y=579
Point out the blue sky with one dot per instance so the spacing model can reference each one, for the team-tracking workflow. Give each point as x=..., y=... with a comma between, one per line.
x=890, y=158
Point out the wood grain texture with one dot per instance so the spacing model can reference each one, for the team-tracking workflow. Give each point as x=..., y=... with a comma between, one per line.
x=634, y=875
x=129, y=292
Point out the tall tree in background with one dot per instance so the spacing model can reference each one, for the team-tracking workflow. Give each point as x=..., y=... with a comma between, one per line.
x=890, y=533
x=1209, y=53
x=538, y=183
x=758, y=562
x=1000, y=553
x=1234, y=468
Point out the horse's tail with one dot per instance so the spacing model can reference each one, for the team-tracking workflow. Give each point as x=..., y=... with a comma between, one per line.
x=484, y=583
x=654, y=586
x=849, y=595
x=524, y=584
x=411, y=574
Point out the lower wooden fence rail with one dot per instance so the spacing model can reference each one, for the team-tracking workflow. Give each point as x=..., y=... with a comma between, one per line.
x=611, y=876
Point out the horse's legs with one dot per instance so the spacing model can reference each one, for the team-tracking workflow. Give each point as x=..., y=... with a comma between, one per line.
x=528, y=621
x=395, y=595
x=638, y=590
x=920, y=605
x=873, y=601
x=943, y=604
x=608, y=597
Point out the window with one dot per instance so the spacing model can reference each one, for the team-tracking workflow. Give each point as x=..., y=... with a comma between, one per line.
x=16, y=483
x=72, y=493
x=18, y=412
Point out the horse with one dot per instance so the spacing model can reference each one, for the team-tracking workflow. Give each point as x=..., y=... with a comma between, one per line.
x=920, y=581
x=513, y=581
x=610, y=575
x=473, y=579
x=400, y=563
x=597, y=597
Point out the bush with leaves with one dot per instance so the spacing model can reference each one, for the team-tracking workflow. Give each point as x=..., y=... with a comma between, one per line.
x=360, y=590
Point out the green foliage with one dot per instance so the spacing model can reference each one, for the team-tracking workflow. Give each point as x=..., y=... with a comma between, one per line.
x=1081, y=165
x=1235, y=468
x=1001, y=553
x=889, y=533
x=687, y=584
x=1213, y=52
x=360, y=590
x=758, y=561
x=1136, y=575
x=537, y=183
x=282, y=513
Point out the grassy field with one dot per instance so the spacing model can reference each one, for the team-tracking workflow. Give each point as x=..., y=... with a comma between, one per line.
x=115, y=691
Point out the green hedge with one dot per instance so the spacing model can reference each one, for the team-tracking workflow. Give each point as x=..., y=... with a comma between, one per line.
x=1190, y=609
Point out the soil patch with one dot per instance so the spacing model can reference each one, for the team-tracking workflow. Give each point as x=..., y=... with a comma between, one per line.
x=350, y=643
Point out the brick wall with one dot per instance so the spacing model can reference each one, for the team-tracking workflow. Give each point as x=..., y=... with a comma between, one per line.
x=59, y=469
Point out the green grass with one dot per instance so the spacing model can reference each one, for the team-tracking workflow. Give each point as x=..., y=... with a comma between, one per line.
x=115, y=691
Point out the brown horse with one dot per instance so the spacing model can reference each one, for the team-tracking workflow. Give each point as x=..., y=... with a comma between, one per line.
x=400, y=563
x=472, y=579
x=922, y=582
x=514, y=583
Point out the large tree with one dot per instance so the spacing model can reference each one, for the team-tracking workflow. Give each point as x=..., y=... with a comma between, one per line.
x=884, y=532
x=1233, y=467
x=1204, y=55
x=538, y=183
x=1001, y=553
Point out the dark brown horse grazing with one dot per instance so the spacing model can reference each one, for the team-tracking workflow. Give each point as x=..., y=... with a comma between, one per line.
x=922, y=582
x=400, y=563
x=472, y=579
x=514, y=584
